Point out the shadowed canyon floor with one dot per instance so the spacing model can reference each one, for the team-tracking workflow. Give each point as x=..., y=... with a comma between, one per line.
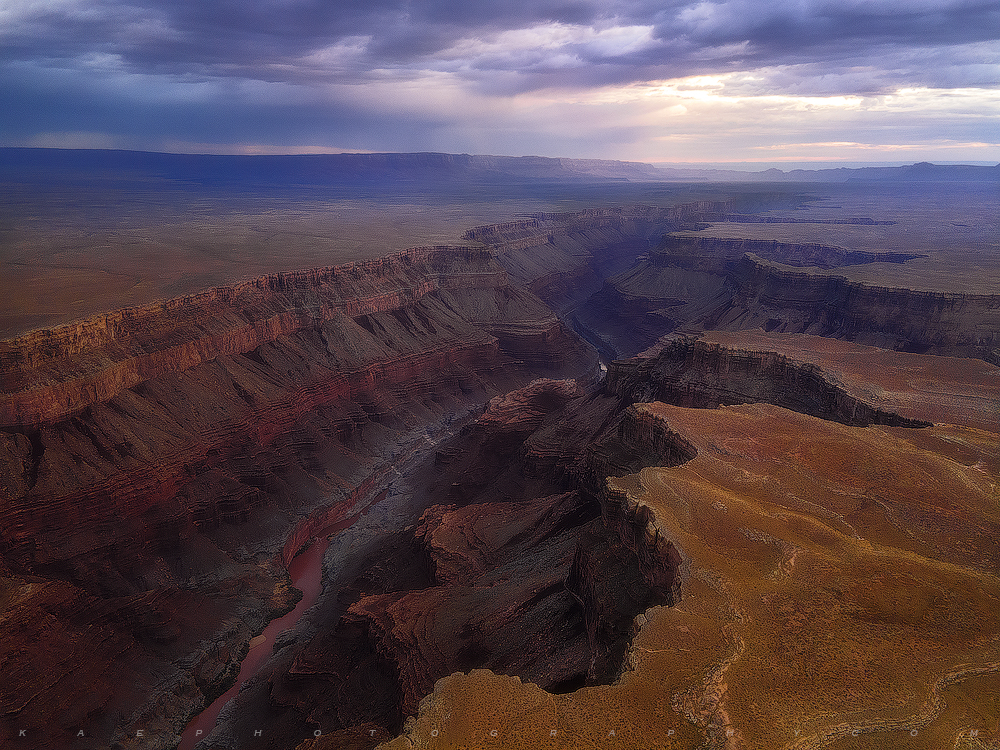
x=776, y=527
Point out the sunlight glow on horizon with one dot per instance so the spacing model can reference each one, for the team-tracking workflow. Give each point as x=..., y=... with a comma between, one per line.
x=699, y=81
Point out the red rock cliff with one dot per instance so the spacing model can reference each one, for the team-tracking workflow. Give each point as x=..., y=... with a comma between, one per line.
x=49, y=374
x=158, y=463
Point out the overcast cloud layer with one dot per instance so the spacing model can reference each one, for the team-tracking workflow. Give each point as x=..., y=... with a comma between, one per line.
x=651, y=81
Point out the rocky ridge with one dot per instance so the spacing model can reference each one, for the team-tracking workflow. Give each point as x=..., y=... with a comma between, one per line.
x=689, y=372
x=775, y=298
x=688, y=284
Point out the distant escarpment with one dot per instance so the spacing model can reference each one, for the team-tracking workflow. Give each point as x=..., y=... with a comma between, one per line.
x=690, y=251
x=775, y=298
x=865, y=221
x=77, y=166
x=161, y=464
x=701, y=283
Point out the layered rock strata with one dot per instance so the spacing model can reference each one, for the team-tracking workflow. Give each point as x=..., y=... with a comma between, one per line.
x=782, y=299
x=161, y=463
x=698, y=283
x=694, y=373
x=54, y=373
x=943, y=390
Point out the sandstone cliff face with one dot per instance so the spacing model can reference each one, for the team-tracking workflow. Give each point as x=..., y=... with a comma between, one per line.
x=689, y=372
x=51, y=374
x=943, y=390
x=911, y=320
x=166, y=460
x=703, y=283
x=629, y=561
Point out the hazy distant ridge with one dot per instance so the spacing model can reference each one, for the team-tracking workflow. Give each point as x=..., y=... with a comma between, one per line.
x=37, y=164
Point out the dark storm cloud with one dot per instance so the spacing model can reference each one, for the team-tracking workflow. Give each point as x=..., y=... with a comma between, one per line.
x=103, y=64
x=893, y=39
x=791, y=26
x=267, y=40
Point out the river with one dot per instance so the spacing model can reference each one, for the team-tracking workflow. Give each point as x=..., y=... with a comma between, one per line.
x=306, y=572
x=306, y=568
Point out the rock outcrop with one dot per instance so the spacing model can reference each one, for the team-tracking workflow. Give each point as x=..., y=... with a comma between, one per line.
x=786, y=300
x=694, y=373
x=943, y=390
x=701, y=283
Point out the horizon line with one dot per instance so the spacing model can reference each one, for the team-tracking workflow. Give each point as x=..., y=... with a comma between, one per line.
x=820, y=164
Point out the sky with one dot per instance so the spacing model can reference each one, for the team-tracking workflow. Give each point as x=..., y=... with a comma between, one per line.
x=777, y=81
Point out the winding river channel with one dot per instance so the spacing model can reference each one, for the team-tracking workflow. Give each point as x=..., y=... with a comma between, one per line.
x=306, y=572
x=387, y=502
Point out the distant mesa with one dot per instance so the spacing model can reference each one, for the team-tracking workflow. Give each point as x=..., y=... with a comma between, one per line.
x=42, y=164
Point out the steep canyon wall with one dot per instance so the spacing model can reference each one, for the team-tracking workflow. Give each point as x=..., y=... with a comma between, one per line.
x=164, y=460
x=693, y=373
x=688, y=284
x=776, y=298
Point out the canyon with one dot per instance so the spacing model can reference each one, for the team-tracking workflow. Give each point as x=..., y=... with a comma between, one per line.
x=600, y=477
x=160, y=459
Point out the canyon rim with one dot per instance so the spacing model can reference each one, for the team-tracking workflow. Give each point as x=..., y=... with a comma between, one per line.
x=595, y=455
